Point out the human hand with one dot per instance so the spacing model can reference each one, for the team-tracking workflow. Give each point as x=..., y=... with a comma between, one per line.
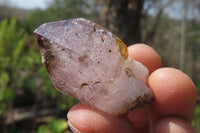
x=170, y=112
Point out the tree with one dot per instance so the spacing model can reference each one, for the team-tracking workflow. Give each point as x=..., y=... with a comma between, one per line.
x=123, y=17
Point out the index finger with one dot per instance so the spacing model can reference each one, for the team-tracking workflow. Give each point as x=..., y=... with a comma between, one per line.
x=146, y=55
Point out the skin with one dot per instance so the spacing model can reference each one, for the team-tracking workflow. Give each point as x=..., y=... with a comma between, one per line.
x=170, y=112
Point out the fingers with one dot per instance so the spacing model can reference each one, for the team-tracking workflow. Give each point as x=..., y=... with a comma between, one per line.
x=88, y=120
x=146, y=55
x=174, y=93
x=174, y=125
x=149, y=58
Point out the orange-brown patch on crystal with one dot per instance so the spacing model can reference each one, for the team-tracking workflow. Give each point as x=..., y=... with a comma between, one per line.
x=122, y=48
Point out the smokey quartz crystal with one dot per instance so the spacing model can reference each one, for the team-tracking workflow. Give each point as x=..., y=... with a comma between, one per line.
x=89, y=63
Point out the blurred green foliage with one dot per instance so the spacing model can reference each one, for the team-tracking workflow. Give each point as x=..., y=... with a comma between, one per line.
x=12, y=43
x=54, y=126
x=196, y=119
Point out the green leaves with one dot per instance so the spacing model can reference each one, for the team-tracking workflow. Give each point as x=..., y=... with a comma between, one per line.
x=12, y=42
x=54, y=126
x=196, y=120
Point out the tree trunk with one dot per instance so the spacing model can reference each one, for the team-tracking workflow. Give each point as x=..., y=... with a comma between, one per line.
x=124, y=17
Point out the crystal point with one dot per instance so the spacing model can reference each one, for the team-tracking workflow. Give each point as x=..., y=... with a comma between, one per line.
x=89, y=63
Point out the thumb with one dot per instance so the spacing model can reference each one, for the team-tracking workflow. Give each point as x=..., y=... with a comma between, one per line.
x=88, y=120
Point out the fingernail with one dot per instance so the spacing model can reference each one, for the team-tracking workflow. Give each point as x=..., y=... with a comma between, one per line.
x=75, y=130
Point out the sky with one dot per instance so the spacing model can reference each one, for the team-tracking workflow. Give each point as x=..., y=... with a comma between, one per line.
x=26, y=4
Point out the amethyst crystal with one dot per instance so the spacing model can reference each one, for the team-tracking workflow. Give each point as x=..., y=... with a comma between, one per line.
x=89, y=63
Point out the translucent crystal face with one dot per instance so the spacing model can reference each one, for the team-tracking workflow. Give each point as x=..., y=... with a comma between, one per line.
x=87, y=62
